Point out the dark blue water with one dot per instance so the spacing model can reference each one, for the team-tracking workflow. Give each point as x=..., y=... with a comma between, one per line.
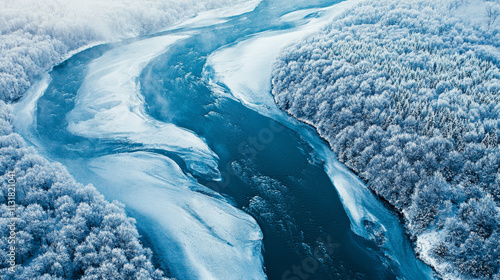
x=267, y=169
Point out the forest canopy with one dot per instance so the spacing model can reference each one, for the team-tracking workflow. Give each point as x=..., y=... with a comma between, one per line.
x=408, y=96
x=64, y=230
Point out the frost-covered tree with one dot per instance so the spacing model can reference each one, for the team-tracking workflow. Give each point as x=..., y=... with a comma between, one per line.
x=408, y=97
x=64, y=230
x=492, y=14
x=36, y=35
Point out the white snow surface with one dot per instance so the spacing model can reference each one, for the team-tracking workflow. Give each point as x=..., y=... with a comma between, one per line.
x=217, y=16
x=109, y=106
x=26, y=108
x=246, y=67
x=191, y=228
x=201, y=237
x=474, y=11
x=300, y=14
x=36, y=35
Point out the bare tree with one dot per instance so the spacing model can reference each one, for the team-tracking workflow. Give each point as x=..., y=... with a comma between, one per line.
x=492, y=13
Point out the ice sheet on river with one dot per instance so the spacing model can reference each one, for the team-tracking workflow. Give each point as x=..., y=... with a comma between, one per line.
x=217, y=16
x=201, y=237
x=245, y=69
x=109, y=106
x=196, y=232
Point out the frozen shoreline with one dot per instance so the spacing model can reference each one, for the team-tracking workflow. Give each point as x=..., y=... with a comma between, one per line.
x=245, y=68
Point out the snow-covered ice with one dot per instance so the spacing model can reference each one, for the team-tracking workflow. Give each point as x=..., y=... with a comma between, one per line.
x=217, y=16
x=245, y=69
x=26, y=108
x=201, y=237
x=109, y=106
x=300, y=14
x=194, y=231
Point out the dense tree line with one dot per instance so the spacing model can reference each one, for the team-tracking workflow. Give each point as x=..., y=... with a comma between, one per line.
x=408, y=97
x=36, y=35
x=64, y=230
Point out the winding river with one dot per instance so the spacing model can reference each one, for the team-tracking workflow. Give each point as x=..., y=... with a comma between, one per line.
x=180, y=126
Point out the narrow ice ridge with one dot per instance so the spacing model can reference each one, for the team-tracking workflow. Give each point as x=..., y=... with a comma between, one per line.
x=245, y=69
x=299, y=15
x=217, y=16
x=109, y=106
x=200, y=237
x=26, y=108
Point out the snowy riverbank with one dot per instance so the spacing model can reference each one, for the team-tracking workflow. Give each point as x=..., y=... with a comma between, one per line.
x=246, y=70
x=406, y=93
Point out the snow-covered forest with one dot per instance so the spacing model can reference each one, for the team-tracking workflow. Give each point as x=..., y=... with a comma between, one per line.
x=407, y=93
x=66, y=230
x=36, y=35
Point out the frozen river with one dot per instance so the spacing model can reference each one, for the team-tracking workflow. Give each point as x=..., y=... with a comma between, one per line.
x=180, y=126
